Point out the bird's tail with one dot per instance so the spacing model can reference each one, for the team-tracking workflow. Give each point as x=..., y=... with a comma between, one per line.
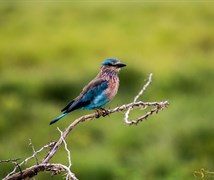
x=58, y=118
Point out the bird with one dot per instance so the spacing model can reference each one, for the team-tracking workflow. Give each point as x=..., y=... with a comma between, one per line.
x=97, y=92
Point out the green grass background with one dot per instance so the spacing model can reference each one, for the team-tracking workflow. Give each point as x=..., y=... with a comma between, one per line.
x=50, y=50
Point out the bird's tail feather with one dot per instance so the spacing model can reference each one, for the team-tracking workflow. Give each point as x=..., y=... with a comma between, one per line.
x=58, y=118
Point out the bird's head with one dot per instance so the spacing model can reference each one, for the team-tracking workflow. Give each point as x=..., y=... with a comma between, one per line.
x=112, y=64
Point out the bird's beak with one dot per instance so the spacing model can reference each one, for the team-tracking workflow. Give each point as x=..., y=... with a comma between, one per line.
x=120, y=65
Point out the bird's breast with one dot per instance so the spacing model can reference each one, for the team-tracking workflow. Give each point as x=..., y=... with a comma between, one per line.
x=112, y=89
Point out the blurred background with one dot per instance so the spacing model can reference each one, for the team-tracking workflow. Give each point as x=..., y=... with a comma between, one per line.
x=50, y=50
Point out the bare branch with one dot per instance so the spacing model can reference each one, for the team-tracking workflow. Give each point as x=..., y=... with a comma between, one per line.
x=66, y=148
x=34, y=152
x=94, y=115
x=9, y=160
x=33, y=170
x=159, y=106
x=135, y=100
x=31, y=157
x=58, y=168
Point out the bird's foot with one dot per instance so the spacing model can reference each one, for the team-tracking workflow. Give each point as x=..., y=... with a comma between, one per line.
x=105, y=112
x=101, y=112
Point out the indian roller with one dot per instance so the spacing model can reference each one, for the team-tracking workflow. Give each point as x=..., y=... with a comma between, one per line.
x=99, y=91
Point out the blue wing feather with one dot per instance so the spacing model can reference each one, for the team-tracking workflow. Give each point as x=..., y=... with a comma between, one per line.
x=91, y=97
x=58, y=118
x=96, y=96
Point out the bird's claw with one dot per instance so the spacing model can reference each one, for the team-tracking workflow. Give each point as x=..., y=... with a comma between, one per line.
x=97, y=115
x=102, y=112
x=105, y=112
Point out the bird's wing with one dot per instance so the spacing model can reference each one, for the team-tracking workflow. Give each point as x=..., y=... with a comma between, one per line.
x=88, y=93
x=95, y=83
x=67, y=106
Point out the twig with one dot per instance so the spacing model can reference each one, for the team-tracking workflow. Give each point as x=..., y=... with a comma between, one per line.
x=18, y=166
x=135, y=99
x=33, y=170
x=34, y=152
x=158, y=107
x=66, y=148
x=31, y=157
x=9, y=160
